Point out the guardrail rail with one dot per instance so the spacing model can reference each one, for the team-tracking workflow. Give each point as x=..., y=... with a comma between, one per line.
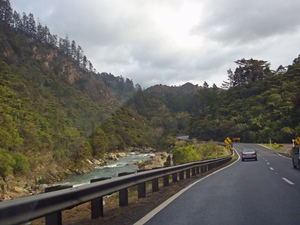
x=51, y=204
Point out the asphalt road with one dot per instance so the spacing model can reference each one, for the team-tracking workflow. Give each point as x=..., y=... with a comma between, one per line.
x=266, y=191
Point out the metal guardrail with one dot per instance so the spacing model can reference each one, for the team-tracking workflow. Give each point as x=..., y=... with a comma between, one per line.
x=51, y=204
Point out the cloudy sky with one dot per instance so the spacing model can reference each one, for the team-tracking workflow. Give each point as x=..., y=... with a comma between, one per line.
x=172, y=42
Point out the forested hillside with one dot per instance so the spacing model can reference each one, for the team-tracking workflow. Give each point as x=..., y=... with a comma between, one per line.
x=57, y=110
x=52, y=100
x=258, y=105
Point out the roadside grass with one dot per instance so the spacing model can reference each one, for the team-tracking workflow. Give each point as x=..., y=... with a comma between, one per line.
x=274, y=146
x=279, y=148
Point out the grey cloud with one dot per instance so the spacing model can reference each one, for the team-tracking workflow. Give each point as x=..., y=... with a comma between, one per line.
x=124, y=38
x=236, y=21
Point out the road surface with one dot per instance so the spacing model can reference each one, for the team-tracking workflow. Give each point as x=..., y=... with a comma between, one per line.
x=266, y=191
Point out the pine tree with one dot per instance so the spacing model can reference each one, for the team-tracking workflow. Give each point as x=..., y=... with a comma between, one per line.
x=6, y=14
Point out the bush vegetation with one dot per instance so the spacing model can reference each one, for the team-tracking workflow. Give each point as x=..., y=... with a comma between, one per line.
x=185, y=152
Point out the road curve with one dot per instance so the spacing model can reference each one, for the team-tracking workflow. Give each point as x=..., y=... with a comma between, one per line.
x=266, y=191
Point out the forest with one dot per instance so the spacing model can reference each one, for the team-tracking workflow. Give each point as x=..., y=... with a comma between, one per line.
x=54, y=103
x=257, y=105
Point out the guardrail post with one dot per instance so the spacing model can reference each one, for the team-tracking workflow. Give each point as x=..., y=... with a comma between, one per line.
x=55, y=218
x=166, y=181
x=203, y=168
x=174, y=177
x=123, y=194
x=181, y=175
x=142, y=190
x=197, y=169
x=194, y=171
x=155, y=185
x=188, y=173
x=97, y=204
x=123, y=197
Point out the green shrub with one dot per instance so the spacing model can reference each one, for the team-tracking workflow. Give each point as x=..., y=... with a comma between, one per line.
x=22, y=164
x=7, y=163
x=210, y=150
x=60, y=154
x=184, y=154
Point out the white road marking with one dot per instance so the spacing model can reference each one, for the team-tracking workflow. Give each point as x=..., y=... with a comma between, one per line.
x=168, y=201
x=271, y=168
x=282, y=156
x=288, y=181
x=268, y=163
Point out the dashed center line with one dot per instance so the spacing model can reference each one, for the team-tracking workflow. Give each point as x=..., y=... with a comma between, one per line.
x=271, y=168
x=288, y=181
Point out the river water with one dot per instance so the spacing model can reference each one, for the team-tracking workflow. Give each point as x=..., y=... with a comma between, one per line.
x=111, y=170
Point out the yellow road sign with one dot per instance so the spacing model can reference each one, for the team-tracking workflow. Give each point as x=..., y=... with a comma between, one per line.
x=228, y=147
x=227, y=141
x=297, y=140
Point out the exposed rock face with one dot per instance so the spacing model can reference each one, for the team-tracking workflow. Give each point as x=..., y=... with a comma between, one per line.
x=115, y=156
x=156, y=161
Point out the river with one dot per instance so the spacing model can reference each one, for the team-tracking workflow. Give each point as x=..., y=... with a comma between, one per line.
x=111, y=170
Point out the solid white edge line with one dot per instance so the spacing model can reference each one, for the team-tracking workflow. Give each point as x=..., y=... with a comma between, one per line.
x=276, y=152
x=168, y=201
x=282, y=156
x=288, y=181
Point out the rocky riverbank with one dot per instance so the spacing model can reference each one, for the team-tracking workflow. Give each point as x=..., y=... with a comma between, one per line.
x=46, y=173
x=156, y=161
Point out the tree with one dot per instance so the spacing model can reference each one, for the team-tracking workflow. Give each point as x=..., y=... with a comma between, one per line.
x=25, y=24
x=22, y=164
x=99, y=142
x=7, y=163
x=230, y=80
x=205, y=85
x=91, y=67
x=65, y=45
x=31, y=24
x=53, y=40
x=84, y=62
x=79, y=55
x=73, y=49
x=6, y=13
x=281, y=70
x=17, y=21
x=247, y=72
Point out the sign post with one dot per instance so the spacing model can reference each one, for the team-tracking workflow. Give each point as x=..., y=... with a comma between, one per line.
x=171, y=160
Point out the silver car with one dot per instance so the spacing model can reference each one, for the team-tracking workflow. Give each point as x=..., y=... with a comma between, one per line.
x=249, y=154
